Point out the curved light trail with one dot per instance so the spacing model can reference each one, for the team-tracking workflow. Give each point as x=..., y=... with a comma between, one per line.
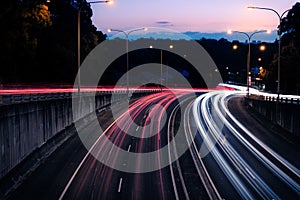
x=211, y=116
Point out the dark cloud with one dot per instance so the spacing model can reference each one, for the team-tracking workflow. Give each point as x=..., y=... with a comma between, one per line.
x=164, y=23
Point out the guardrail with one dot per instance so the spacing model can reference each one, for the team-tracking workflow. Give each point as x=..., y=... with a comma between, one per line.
x=284, y=111
x=29, y=121
x=281, y=99
x=8, y=99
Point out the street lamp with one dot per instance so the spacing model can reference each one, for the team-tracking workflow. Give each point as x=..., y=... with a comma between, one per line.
x=161, y=63
x=127, y=58
x=280, y=17
x=167, y=72
x=249, y=36
x=262, y=47
x=235, y=47
x=78, y=36
x=161, y=78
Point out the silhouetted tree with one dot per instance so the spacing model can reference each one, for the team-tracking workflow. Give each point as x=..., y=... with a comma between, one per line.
x=39, y=39
x=290, y=53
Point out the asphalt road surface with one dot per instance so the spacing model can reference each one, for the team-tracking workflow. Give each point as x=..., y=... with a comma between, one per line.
x=223, y=153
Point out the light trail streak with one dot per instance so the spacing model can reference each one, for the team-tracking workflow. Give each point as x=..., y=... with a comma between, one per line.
x=202, y=125
x=279, y=158
x=249, y=174
x=210, y=187
x=277, y=171
x=171, y=136
x=211, y=108
x=117, y=135
x=110, y=89
x=229, y=151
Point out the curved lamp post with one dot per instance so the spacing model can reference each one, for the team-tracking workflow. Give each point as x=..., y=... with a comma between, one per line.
x=127, y=58
x=161, y=71
x=78, y=36
x=249, y=36
x=280, y=17
x=161, y=66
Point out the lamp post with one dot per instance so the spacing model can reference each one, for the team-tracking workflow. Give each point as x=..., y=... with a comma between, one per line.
x=161, y=71
x=127, y=49
x=249, y=36
x=280, y=17
x=171, y=46
x=161, y=65
x=78, y=37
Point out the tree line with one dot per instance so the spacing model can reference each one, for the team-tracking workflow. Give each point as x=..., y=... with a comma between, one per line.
x=39, y=40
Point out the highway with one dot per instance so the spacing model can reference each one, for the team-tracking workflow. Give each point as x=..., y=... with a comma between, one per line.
x=253, y=169
x=168, y=145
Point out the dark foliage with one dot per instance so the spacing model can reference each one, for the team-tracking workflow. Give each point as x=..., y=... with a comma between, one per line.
x=39, y=40
x=290, y=53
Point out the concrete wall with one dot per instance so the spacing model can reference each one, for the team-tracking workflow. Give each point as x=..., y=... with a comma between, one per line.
x=285, y=113
x=29, y=121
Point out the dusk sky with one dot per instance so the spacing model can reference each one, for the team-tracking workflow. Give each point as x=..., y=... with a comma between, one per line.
x=214, y=16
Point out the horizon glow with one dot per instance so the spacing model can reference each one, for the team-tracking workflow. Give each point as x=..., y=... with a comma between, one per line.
x=195, y=16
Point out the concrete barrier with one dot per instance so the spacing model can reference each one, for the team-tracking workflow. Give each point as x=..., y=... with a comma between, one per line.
x=28, y=121
x=283, y=113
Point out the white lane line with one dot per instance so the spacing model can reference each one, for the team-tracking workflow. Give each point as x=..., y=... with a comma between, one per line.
x=89, y=152
x=120, y=185
x=86, y=156
x=129, y=148
x=137, y=128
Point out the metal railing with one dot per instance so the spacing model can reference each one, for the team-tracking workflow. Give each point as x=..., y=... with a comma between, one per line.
x=7, y=99
x=287, y=99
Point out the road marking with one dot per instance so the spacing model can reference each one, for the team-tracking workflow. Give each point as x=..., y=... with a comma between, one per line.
x=86, y=156
x=120, y=185
x=137, y=128
x=129, y=148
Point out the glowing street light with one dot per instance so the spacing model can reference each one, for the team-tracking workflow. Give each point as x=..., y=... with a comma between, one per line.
x=235, y=47
x=262, y=47
x=249, y=36
x=127, y=58
x=110, y=2
x=280, y=17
